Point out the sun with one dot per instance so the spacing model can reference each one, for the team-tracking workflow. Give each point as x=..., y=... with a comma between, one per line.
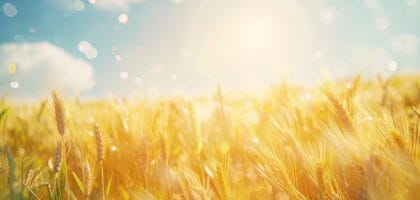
x=255, y=33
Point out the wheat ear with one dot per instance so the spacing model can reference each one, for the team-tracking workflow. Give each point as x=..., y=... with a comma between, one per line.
x=99, y=142
x=59, y=113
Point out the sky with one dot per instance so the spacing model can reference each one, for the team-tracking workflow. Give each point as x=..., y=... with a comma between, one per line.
x=156, y=47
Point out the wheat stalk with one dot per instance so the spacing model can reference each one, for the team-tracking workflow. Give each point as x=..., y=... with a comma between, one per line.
x=87, y=179
x=58, y=157
x=99, y=142
x=142, y=154
x=99, y=153
x=59, y=113
x=321, y=184
x=340, y=112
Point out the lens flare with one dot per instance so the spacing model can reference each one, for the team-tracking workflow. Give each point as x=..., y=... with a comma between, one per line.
x=9, y=9
x=14, y=85
x=123, y=18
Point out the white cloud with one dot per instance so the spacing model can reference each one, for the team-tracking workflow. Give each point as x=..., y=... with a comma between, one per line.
x=42, y=66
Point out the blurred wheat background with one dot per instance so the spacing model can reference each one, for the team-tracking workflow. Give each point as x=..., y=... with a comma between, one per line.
x=210, y=99
x=351, y=139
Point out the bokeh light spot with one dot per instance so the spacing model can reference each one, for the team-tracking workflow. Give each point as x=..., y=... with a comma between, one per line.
x=123, y=75
x=78, y=5
x=84, y=46
x=14, y=84
x=9, y=9
x=113, y=148
x=392, y=66
x=118, y=57
x=12, y=68
x=91, y=53
x=123, y=18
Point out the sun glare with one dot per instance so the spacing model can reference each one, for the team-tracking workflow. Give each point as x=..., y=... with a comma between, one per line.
x=255, y=33
x=210, y=99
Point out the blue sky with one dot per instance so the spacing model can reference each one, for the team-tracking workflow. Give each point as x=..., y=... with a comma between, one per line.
x=191, y=45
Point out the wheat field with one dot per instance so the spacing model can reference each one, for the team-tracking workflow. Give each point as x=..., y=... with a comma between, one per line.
x=350, y=139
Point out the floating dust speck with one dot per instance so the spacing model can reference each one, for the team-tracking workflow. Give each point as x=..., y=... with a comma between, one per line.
x=78, y=5
x=91, y=53
x=123, y=18
x=14, y=85
x=118, y=57
x=87, y=48
x=12, y=68
x=84, y=46
x=392, y=66
x=113, y=148
x=123, y=75
x=9, y=9
x=255, y=140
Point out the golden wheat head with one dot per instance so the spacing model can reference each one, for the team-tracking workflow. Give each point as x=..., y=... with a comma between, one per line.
x=59, y=113
x=99, y=142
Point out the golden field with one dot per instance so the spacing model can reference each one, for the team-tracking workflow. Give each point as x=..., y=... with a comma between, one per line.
x=351, y=139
